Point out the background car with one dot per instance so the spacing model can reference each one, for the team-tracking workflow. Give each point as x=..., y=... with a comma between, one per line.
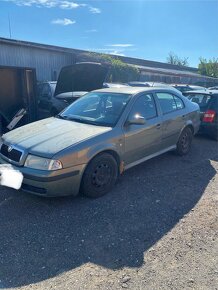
x=114, y=85
x=185, y=88
x=73, y=82
x=208, y=103
x=147, y=84
x=213, y=88
x=96, y=138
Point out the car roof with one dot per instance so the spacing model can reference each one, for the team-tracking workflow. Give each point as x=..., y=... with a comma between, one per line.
x=207, y=92
x=136, y=90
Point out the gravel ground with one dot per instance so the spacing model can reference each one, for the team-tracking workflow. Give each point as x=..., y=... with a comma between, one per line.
x=157, y=229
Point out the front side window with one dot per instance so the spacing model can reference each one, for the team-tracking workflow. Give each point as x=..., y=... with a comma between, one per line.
x=169, y=103
x=145, y=107
x=101, y=109
x=46, y=92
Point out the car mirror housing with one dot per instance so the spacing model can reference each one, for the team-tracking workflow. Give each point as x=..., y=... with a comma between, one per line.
x=136, y=120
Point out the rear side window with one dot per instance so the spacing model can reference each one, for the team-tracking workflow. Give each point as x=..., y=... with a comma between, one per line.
x=201, y=99
x=169, y=103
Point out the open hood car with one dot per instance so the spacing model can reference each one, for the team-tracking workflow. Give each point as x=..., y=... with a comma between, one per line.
x=81, y=77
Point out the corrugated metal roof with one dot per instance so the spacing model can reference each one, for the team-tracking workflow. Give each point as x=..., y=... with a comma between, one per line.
x=130, y=60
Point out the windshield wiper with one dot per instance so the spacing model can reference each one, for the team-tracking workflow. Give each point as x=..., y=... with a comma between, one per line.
x=62, y=117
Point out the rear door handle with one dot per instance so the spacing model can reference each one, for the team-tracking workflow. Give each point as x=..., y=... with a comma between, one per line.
x=158, y=126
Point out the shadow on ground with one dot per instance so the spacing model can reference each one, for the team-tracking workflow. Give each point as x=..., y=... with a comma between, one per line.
x=41, y=238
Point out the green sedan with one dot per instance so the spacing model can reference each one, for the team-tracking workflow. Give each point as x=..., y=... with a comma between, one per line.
x=89, y=144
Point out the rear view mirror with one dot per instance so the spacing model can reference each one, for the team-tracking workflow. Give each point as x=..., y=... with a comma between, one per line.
x=136, y=120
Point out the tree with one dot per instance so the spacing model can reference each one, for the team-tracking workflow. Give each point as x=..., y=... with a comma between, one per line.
x=208, y=67
x=119, y=71
x=174, y=59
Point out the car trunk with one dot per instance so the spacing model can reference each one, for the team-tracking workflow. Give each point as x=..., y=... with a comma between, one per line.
x=81, y=77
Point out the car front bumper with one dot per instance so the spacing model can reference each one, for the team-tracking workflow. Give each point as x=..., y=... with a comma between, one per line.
x=50, y=183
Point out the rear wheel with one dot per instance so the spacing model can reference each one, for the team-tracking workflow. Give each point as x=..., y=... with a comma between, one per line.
x=100, y=176
x=184, y=143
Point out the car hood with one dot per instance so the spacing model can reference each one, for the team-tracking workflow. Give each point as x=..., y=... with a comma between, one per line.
x=49, y=136
x=81, y=77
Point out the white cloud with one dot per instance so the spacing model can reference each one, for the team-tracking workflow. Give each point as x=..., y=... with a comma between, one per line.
x=121, y=45
x=94, y=10
x=68, y=5
x=62, y=4
x=91, y=30
x=119, y=52
x=63, y=22
x=47, y=3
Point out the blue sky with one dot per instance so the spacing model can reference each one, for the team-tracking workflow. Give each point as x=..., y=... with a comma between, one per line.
x=144, y=29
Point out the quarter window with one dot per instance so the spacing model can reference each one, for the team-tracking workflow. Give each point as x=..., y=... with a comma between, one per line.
x=144, y=106
x=179, y=103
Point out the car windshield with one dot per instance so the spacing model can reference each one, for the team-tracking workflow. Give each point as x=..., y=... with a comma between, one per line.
x=201, y=99
x=100, y=109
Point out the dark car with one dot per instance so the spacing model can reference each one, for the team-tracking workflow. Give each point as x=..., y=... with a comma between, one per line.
x=208, y=103
x=50, y=104
x=213, y=88
x=73, y=82
x=186, y=88
x=45, y=95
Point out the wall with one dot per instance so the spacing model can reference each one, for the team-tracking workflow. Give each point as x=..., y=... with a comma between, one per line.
x=47, y=63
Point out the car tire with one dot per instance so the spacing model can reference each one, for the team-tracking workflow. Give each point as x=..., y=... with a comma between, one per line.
x=100, y=176
x=183, y=145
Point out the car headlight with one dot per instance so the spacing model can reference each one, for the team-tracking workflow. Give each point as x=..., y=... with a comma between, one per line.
x=41, y=163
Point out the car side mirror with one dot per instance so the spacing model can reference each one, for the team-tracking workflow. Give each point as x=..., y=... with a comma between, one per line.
x=136, y=120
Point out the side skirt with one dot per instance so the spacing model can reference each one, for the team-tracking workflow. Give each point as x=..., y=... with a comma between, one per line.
x=150, y=156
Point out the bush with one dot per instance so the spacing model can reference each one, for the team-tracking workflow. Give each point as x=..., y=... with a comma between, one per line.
x=119, y=71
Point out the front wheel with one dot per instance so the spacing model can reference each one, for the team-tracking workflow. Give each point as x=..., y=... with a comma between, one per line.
x=184, y=143
x=100, y=176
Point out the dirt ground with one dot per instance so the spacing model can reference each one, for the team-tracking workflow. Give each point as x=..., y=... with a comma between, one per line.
x=158, y=229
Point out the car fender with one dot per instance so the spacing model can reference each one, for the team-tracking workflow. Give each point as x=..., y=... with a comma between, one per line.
x=94, y=151
x=188, y=123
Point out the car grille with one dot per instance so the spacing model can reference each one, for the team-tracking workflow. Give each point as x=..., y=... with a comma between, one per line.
x=14, y=154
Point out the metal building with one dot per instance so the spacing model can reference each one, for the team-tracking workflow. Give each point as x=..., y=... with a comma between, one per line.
x=48, y=60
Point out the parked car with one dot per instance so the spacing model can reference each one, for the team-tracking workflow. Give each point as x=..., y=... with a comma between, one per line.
x=147, y=84
x=213, y=88
x=87, y=146
x=114, y=85
x=208, y=103
x=73, y=82
x=45, y=95
x=185, y=88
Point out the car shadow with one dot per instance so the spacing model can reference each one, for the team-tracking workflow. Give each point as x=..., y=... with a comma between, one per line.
x=42, y=238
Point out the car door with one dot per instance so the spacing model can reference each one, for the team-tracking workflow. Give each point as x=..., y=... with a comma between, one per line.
x=143, y=140
x=45, y=100
x=174, y=117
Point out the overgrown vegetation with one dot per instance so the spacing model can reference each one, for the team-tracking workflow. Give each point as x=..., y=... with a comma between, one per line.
x=119, y=71
x=175, y=59
x=208, y=67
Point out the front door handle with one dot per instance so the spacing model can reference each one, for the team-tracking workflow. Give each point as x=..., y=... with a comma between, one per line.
x=158, y=126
